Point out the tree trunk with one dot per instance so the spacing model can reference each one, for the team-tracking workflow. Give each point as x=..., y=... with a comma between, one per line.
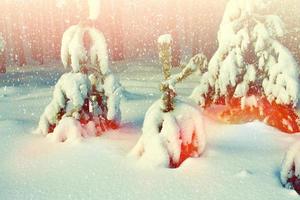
x=205, y=26
x=3, y=62
x=117, y=50
x=171, y=13
x=17, y=35
x=3, y=30
x=35, y=31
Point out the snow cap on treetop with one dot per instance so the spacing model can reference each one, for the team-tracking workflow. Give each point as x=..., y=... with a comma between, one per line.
x=94, y=9
x=236, y=8
x=166, y=38
x=60, y=3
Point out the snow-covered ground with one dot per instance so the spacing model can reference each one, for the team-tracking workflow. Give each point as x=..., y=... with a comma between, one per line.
x=240, y=161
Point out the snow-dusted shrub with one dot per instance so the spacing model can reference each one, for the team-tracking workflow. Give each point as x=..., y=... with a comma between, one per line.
x=290, y=169
x=250, y=61
x=173, y=129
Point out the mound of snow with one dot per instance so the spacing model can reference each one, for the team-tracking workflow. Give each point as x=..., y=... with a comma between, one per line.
x=169, y=138
x=68, y=130
x=72, y=131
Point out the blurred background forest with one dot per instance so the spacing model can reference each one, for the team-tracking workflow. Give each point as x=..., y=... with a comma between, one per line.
x=33, y=29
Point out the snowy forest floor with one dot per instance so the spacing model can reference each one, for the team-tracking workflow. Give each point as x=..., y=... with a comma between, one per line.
x=240, y=161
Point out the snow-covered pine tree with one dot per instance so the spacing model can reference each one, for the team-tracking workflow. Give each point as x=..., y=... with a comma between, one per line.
x=2, y=56
x=173, y=128
x=88, y=97
x=252, y=72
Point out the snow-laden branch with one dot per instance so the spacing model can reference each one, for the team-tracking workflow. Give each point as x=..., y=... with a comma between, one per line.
x=71, y=87
x=197, y=63
x=290, y=168
x=74, y=53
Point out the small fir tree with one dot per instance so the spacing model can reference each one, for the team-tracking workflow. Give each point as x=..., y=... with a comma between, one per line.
x=90, y=93
x=173, y=127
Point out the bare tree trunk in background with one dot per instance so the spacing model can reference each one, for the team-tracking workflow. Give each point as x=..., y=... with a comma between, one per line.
x=206, y=20
x=3, y=32
x=47, y=29
x=291, y=17
x=40, y=24
x=58, y=28
x=2, y=62
x=117, y=49
x=83, y=9
x=196, y=27
x=186, y=7
x=34, y=18
x=17, y=35
x=171, y=17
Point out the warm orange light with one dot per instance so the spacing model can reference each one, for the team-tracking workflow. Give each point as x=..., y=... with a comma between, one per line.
x=283, y=117
x=187, y=151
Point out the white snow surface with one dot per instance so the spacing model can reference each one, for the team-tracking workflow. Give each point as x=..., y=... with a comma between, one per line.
x=156, y=147
x=239, y=162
